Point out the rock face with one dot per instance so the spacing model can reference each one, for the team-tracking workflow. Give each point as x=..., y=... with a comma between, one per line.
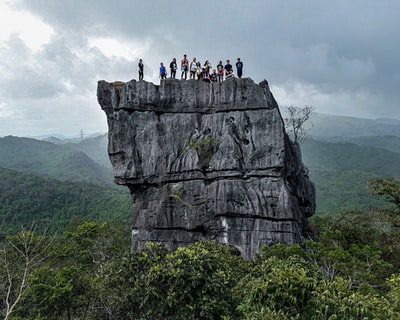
x=206, y=161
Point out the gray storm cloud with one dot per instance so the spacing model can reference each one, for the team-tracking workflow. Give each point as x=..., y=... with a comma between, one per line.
x=340, y=56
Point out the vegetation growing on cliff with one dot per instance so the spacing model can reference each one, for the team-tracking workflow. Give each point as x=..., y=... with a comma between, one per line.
x=205, y=148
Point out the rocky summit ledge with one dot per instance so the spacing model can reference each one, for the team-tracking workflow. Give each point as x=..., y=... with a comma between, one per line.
x=178, y=96
x=206, y=161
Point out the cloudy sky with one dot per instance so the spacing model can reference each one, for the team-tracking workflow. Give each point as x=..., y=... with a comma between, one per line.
x=340, y=57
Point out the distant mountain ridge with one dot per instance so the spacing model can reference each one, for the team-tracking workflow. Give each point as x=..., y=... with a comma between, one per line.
x=60, y=161
x=333, y=127
x=345, y=153
x=57, y=184
x=344, y=156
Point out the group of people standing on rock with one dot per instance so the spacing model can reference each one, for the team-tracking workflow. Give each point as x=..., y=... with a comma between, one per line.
x=196, y=70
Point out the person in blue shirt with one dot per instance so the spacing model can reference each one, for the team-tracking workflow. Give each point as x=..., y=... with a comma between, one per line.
x=163, y=71
x=239, y=68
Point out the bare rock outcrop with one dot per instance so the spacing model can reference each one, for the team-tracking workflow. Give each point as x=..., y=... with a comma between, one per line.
x=206, y=161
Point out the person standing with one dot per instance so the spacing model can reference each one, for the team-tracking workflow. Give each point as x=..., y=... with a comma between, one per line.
x=239, y=68
x=184, y=66
x=220, y=69
x=208, y=66
x=163, y=71
x=173, y=67
x=141, y=69
x=199, y=70
x=193, y=69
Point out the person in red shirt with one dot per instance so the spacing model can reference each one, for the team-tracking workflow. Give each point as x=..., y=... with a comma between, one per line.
x=220, y=68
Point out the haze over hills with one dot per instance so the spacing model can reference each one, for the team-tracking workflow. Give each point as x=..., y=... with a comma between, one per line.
x=335, y=127
x=344, y=154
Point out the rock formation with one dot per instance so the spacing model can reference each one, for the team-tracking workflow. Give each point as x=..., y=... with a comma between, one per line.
x=206, y=161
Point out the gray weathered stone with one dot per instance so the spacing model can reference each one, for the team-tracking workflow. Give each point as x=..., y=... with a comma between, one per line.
x=206, y=161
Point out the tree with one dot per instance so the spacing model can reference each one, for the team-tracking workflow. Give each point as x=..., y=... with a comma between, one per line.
x=388, y=190
x=336, y=299
x=294, y=123
x=194, y=282
x=62, y=293
x=285, y=284
x=277, y=285
x=394, y=292
x=20, y=255
x=71, y=287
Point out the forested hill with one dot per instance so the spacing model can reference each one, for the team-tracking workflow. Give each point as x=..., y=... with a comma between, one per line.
x=389, y=143
x=65, y=162
x=326, y=126
x=342, y=171
x=345, y=154
x=28, y=198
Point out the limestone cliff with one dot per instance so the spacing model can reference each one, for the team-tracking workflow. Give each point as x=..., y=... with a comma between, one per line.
x=206, y=161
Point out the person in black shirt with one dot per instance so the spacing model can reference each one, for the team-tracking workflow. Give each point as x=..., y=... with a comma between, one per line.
x=214, y=76
x=228, y=70
x=141, y=69
x=173, y=66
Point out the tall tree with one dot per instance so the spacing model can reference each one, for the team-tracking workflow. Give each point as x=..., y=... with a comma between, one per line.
x=20, y=255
